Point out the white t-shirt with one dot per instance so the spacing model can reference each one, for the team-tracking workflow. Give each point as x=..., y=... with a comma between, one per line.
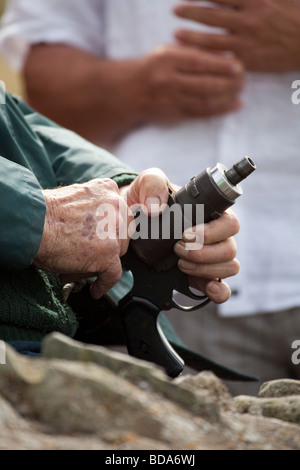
x=267, y=129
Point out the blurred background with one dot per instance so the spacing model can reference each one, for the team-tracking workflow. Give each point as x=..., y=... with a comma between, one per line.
x=11, y=78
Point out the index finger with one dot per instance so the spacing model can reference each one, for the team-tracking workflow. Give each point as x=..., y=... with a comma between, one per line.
x=207, y=62
x=216, y=17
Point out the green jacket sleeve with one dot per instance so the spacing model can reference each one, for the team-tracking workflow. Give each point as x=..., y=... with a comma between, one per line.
x=22, y=215
x=73, y=158
x=36, y=154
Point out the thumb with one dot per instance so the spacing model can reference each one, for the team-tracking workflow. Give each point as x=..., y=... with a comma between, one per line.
x=150, y=190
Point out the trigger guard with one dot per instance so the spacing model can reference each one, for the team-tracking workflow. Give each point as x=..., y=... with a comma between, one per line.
x=205, y=300
x=192, y=308
x=184, y=289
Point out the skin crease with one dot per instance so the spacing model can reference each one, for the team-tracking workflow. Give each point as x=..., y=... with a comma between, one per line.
x=70, y=244
x=263, y=34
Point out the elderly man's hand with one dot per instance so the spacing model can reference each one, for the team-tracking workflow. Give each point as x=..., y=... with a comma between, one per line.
x=74, y=246
x=263, y=34
x=86, y=228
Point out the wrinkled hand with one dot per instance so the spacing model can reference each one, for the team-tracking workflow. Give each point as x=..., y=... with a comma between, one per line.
x=86, y=228
x=263, y=34
x=180, y=82
x=71, y=243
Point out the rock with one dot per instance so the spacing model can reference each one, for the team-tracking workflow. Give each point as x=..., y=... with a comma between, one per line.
x=284, y=408
x=207, y=384
x=276, y=399
x=79, y=396
x=280, y=388
x=141, y=373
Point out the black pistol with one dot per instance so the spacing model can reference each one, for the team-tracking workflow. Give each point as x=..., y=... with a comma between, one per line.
x=153, y=263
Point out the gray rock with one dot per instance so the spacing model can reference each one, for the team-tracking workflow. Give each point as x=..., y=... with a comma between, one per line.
x=284, y=408
x=141, y=373
x=280, y=388
x=276, y=399
x=207, y=384
x=85, y=397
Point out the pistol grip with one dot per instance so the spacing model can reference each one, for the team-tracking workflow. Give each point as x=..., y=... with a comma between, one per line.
x=144, y=338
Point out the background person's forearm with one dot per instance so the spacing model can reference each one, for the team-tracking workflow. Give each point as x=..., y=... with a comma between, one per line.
x=74, y=88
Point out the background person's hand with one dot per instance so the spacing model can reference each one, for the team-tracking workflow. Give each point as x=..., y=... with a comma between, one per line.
x=263, y=34
x=179, y=82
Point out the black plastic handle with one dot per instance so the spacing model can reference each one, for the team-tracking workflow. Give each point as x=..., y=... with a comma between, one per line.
x=144, y=337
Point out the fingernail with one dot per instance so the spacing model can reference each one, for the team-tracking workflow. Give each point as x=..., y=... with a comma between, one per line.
x=186, y=265
x=213, y=288
x=152, y=200
x=180, y=250
x=194, y=239
x=153, y=204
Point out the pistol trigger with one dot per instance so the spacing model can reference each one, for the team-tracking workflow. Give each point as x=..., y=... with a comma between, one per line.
x=184, y=308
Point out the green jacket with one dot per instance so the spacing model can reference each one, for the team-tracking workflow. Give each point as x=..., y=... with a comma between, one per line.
x=36, y=154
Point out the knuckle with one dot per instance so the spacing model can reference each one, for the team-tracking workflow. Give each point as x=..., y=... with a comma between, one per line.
x=111, y=184
x=230, y=249
x=115, y=203
x=207, y=86
x=251, y=24
x=234, y=248
x=151, y=176
x=118, y=275
x=112, y=248
x=233, y=221
x=162, y=55
x=235, y=267
x=103, y=188
x=107, y=182
x=161, y=79
x=225, y=85
x=161, y=50
x=115, y=271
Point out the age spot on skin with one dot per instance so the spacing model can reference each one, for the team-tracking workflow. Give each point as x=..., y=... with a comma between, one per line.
x=87, y=230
